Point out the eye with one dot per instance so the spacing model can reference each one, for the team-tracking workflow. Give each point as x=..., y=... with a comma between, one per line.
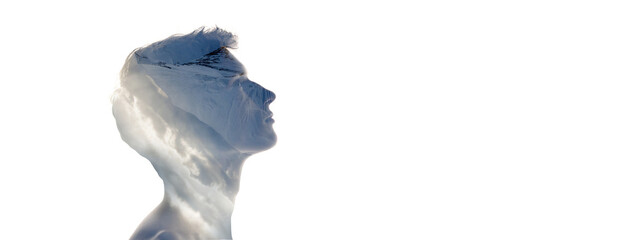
x=236, y=82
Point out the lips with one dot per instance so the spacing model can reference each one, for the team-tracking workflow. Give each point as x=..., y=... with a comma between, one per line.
x=268, y=118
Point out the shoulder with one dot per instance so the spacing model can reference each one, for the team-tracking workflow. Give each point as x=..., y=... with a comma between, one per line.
x=153, y=235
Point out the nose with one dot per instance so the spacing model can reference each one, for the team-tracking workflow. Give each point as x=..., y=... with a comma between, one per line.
x=270, y=96
x=258, y=94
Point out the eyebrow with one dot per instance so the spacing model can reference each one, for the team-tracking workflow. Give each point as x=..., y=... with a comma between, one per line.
x=236, y=75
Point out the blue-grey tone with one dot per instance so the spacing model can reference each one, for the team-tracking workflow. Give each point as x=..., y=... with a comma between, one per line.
x=185, y=103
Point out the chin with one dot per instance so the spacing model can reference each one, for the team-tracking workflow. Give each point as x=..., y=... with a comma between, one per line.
x=256, y=144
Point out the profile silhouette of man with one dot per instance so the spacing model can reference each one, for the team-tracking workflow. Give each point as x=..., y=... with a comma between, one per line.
x=185, y=103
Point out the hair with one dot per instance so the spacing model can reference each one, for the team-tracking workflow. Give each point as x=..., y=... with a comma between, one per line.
x=179, y=48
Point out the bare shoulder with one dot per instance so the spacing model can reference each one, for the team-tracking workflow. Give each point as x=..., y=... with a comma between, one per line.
x=155, y=235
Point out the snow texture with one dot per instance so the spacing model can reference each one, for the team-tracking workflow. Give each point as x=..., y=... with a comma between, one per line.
x=185, y=103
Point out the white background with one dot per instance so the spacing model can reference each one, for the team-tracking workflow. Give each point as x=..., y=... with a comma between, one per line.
x=396, y=120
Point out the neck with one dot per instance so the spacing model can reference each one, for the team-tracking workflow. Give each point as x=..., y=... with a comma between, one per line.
x=208, y=199
x=199, y=197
